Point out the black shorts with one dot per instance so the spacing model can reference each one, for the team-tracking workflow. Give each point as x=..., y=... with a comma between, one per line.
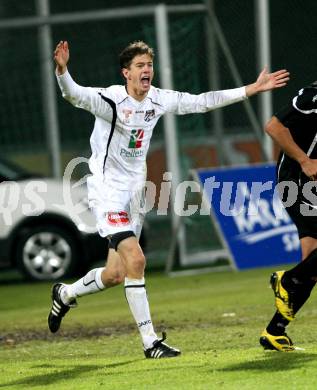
x=306, y=224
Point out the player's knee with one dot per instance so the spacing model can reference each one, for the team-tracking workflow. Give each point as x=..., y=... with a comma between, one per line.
x=118, y=277
x=134, y=258
x=130, y=250
x=113, y=278
x=137, y=261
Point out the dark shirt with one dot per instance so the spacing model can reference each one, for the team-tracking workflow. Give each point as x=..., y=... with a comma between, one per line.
x=300, y=117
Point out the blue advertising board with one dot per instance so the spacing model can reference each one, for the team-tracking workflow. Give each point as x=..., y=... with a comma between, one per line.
x=250, y=216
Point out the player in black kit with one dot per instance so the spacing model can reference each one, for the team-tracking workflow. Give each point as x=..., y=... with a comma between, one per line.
x=294, y=129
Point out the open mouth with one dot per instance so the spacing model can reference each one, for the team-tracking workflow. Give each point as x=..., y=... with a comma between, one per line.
x=145, y=81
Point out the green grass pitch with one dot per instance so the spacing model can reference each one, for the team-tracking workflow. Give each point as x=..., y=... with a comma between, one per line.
x=215, y=319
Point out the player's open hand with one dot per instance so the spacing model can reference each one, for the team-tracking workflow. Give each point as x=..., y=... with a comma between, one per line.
x=268, y=81
x=61, y=56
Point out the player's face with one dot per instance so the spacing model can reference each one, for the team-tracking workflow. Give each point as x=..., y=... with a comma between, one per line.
x=139, y=76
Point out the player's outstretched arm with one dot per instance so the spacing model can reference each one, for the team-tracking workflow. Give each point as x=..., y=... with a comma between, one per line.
x=268, y=81
x=82, y=97
x=61, y=57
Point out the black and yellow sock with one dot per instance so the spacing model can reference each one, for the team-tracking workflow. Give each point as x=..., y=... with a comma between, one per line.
x=278, y=323
x=302, y=273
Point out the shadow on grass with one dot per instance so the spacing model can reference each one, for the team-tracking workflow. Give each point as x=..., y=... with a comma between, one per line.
x=274, y=361
x=59, y=374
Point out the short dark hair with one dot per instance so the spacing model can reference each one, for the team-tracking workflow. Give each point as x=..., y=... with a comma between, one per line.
x=134, y=49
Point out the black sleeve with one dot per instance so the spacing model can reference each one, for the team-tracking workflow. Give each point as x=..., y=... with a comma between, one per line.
x=304, y=103
x=285, y=114
x=306, y=100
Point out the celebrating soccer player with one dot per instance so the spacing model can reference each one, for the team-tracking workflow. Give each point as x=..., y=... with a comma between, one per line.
x=125, y=116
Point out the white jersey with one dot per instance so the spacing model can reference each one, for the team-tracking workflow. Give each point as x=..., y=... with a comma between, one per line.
x=123, y=126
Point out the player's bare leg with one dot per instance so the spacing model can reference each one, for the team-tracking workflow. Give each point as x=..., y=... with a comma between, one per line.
x=134, y=262
x=64, y=296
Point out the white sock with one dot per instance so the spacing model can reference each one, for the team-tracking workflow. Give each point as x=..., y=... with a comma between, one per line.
x=136, y=296
x=89, y=284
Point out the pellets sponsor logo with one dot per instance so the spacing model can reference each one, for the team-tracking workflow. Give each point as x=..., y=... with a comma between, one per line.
x=136, y=139
x=131, y=153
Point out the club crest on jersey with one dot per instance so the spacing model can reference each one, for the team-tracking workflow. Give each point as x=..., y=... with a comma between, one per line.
x=120, y=218
x=136, y=139
x=126, y=114
x=149, y=114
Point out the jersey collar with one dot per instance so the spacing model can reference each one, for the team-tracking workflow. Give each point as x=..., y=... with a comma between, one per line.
x=125, y=94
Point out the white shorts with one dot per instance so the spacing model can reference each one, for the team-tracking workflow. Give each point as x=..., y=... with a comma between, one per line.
x=116, y=210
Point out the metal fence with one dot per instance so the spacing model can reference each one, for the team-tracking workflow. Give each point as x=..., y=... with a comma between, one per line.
x=198, y=60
